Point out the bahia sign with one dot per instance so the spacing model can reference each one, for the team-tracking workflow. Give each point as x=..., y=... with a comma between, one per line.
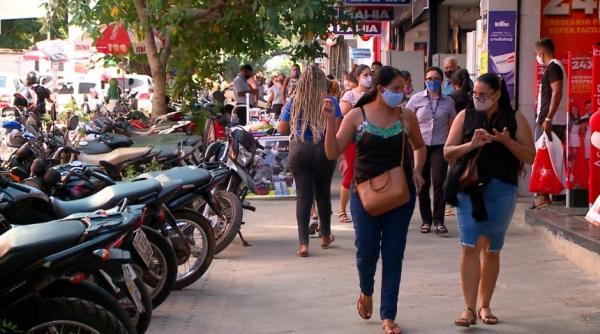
x=364, y=28
x=368, y=13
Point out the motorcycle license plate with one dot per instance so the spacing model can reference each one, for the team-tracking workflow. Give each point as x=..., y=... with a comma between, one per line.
x=143, y=247
x=134, y=292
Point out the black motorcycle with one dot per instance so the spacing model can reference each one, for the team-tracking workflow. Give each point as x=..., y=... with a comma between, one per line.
x=156, y=264
x=238, y=152
x=44, y=269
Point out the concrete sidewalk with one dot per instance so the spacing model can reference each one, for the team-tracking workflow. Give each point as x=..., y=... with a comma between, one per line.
x=267, y=289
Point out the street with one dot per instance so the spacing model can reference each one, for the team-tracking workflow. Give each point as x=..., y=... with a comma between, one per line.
x=267, y=289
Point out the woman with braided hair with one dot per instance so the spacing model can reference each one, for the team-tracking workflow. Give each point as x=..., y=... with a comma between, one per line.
x=312, y=170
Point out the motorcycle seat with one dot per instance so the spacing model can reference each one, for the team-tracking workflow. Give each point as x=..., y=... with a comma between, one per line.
x=187, y=175
x=23, y=245
x=166, y=152
x=94, y=147
x=115, y=157
x=108, y=197
x=114, y=140
x=192, y=141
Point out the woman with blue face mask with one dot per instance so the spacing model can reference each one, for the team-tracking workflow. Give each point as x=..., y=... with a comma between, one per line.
x=379, y=127
x=435, y=113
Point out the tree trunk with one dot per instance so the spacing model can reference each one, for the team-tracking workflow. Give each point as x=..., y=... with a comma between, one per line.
x=158, y=67
x=159, y=74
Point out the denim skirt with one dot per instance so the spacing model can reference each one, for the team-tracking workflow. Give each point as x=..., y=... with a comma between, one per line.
x=500, y=199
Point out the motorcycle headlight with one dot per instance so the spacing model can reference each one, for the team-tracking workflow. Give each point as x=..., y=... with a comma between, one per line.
x=244, y=157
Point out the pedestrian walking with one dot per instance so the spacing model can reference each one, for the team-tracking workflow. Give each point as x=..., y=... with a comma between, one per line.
x=384, y=135
x=461, y=81
x=310, y=167
x=241, y=87
x=275, y=98
x=376, y=66
x=435, y=113
x=551, y=114
x=450, y=65
x=408, y=87
x=489, y=143
x=333, y=91
x=362, y=76
x=291, y=82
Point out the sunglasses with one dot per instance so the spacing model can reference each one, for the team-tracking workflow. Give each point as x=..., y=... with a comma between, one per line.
x=433, y=79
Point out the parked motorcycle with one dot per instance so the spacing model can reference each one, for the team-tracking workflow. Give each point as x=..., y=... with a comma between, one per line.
x=41, y=291
x=29, y=205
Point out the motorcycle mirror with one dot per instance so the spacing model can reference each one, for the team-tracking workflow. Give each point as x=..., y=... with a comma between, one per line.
x=88, y=172
x=219, y=96
x=73, y=122
x=18, y=173
x=53, y=114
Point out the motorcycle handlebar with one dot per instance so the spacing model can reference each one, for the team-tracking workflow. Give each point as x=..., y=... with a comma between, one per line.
x=5, y=183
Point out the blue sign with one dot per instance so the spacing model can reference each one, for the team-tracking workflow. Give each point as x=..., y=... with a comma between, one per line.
x=377, y=2
x=359, y=53
x=502, y=47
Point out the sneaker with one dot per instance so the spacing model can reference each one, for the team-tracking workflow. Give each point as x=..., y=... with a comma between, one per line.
x=314, y=226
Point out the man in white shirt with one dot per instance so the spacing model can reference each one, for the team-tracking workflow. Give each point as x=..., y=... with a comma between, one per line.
x=240, y=88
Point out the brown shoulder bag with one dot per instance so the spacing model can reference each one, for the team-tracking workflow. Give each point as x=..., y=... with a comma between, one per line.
x=387, y=191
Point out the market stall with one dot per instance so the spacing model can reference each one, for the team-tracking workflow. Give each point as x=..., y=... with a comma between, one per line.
x=273, y=176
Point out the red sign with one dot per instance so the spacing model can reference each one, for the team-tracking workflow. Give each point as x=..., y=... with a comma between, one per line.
x=114, y=40
x=594, y=145
x=579, y=83
x=573, y=25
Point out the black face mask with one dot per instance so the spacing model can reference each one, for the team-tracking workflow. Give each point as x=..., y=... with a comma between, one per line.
x=448, y=74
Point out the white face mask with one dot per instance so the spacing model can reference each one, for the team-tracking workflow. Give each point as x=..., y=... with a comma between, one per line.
x=539, y=60
x=483, y=106
x=366, y=81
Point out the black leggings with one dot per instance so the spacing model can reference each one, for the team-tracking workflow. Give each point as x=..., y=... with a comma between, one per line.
x=313, y=173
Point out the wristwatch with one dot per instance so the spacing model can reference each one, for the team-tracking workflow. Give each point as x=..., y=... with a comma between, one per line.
x=548, y=119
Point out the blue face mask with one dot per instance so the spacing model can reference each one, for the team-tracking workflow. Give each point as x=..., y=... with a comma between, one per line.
x=434, y=86
x=392, y=99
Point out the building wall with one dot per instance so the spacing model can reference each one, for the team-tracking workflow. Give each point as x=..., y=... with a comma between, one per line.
x=529, y=33
x=417, y=34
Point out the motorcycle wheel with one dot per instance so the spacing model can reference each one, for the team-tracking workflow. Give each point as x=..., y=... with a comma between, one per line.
x=201, y=241
x=163, y=269
x=72, y=315
x=225, y=230
x=95, y=294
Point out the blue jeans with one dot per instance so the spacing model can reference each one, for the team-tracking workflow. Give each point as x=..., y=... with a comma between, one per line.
x=385, y=234
x=500, y=199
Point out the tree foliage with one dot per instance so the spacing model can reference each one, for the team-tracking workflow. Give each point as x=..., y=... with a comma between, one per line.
x=21, y=33
x=202, y=35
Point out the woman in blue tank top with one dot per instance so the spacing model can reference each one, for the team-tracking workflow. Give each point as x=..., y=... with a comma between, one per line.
x=379, y=126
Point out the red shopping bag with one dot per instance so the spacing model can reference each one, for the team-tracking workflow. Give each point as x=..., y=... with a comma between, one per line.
x=543, y=177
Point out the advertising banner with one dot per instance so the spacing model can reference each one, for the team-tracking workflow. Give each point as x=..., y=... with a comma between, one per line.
x=579, y=85
x=594, y=126
x=502, y=46
x=360, y=53
x=596, y=79
x=573, y=25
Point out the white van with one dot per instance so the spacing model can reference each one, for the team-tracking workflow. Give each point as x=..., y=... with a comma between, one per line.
x=142, y=84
